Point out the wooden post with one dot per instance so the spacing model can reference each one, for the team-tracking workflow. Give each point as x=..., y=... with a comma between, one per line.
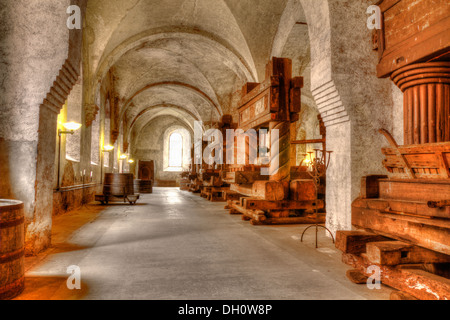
x=426, y=88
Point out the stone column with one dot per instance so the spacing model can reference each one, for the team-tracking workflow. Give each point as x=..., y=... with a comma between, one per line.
x=426, y=89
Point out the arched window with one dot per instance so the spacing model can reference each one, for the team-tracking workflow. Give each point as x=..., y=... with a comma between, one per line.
x=175, y=151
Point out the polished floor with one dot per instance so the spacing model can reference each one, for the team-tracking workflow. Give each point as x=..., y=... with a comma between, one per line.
x=176, y=245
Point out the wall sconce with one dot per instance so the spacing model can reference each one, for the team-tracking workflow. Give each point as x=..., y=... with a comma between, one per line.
x=71, y=127
x=106, y=149
x=130, y=161
x=122, y=158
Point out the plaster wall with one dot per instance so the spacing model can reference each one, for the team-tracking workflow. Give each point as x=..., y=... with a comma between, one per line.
x=34, y=42
x=353, y=102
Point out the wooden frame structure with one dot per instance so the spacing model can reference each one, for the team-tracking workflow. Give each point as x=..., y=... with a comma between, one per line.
x=287, y=194
x=405, y=215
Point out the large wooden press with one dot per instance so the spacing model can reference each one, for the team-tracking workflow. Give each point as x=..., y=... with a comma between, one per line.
x=286, y=195
x=405, y=215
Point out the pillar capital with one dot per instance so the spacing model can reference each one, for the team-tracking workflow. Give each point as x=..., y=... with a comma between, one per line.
x=426, y=89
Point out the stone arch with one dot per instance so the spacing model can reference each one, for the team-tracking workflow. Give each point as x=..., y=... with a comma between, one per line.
x=352, y=101
x=184, y=86
x=152, y=108
x=240, y=65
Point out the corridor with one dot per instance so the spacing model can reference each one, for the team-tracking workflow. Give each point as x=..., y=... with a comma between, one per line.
x=174, y=245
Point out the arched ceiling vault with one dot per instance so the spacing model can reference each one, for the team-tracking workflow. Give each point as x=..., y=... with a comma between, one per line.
x=292, y=41
x=171, y=94
x=157, y=112
x=149, y=113
x=191, y=57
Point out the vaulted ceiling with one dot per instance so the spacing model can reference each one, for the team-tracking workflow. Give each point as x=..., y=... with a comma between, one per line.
x=188, y=58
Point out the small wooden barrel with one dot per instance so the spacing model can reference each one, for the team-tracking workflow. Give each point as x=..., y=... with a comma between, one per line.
x=12, y=239
x=143, y=186
x=118, y=184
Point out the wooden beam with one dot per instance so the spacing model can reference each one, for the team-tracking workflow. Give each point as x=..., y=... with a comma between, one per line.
x=413, y=208
x=355, y=241
x=433, y=234
x=302, y=190
x=292, y=220
x=370, y=186
x=258, y=204
x=244, y=177
x=418, y=283
x=393, y=253
x=243, y=189
x=401, y=296
x=270, y=190
x=355, y=276
x=420, y=190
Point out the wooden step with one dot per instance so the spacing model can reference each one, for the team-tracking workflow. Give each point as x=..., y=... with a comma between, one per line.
x=416, y=208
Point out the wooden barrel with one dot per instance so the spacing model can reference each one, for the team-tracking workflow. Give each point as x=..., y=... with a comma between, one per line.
x=143, y=186
x=12, y=239
x=118, y=184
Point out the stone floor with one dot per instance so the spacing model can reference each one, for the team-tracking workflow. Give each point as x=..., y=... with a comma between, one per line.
x=176, y=245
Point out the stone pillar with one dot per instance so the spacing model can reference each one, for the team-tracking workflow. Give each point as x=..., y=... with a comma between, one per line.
x=34, y=45
x=426, y=89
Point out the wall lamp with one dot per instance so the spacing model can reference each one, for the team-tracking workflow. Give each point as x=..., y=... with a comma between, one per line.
x=106, y=149
x=71, y=127
x=122, y=158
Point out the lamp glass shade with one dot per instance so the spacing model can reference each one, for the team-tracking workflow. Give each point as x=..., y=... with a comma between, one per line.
x=108, y=148
x=131, y=161
x=72, y=126
x=123, y=157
